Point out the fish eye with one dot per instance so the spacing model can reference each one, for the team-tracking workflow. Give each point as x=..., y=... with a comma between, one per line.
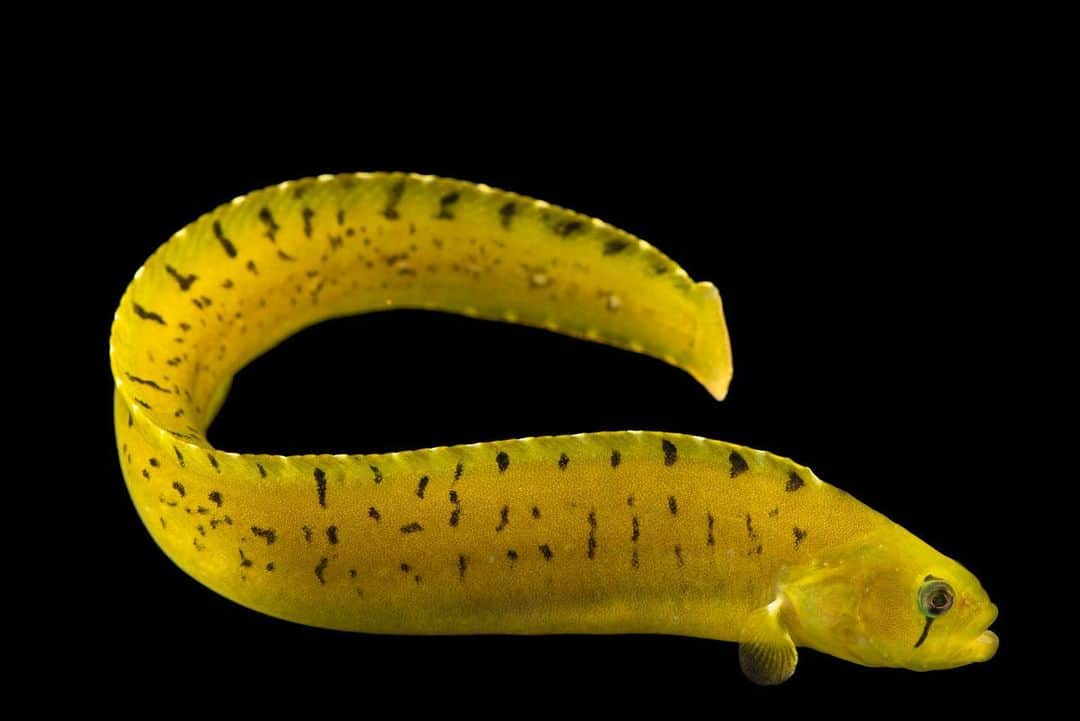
x=935, y=598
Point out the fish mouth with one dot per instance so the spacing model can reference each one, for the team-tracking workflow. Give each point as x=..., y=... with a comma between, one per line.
x=985, y=644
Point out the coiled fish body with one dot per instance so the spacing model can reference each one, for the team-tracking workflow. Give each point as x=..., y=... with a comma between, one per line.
x=594, y=533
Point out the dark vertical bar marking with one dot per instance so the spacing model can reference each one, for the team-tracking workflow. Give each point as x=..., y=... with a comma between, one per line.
x=671, y=453
x=320, y=486
x=230, y=249
x=591, y=543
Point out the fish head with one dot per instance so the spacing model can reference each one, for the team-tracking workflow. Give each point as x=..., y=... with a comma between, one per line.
x=891, y=600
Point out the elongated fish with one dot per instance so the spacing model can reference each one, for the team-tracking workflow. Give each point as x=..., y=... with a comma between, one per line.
x=594, y=533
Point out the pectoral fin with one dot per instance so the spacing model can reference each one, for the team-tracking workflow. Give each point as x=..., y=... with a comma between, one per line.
x=767, y=654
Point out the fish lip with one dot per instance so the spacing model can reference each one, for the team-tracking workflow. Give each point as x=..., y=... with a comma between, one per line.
x=986, y=645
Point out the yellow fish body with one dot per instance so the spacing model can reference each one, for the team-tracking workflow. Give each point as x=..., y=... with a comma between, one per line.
x=595, y=533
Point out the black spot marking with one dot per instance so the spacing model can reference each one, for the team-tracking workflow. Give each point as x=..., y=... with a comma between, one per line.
x=373, y=512
x=271, y=226
x=422, y=486
x=710, y=540
x=567, y=228
x=341, y=216
x=458, y=470
x=758, y=549
x=512, y=555
x=146, y=474
x=267, y=533
x=245, y=562
x=794, y=482
x=154, y=462
x=462, y=564
x=185, y=281
x=738, y=464
x=611, y=247
x=230, y=249
x=270, y=566
x=444, y=206
x=455, y=514
x=591, y=543
x=215, y=498
x=635, y=529
x=672, y=505
x=616, y=459
x=799, y=535
x=671, y=453
x=504, y=518
x=352, y=573
x=502, y=460
x=506, y=214
x=320, y=486
x=285, y=256
x=179, y=488
x=774, y=513
x=179, y=456
x=332, y=535
x=214, y=462
x=148, y=407
x=262, y=471
x=536, y=512
x=307, y=214
x=413, y=527
x=678, y=555
x=545, y=551
x=564, y=461
x=396, y=191
x=145, y=382
x=634, y=561
x=377, y=474
x=750, y=528
x=630, y=501
x=319, y=569
x=252, y=267
x=131, y=420
x=405, y=568
x=147, y=314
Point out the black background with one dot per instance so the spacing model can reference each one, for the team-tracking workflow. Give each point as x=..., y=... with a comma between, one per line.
x=852, y=223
